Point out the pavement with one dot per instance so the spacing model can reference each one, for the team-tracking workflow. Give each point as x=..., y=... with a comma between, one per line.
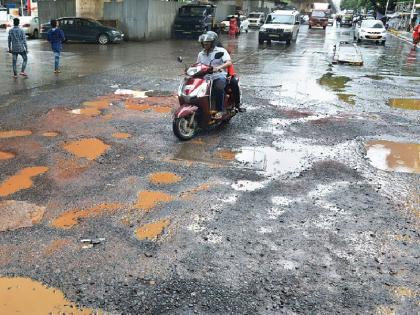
x=403, y=35
x=308, y=203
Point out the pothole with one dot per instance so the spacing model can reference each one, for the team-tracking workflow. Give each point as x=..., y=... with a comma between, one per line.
x=152, y=230
x=147, y=200
x=394, y=156
x=121, y=135
x=346, y=98
x=90, y=149
x=22, y=180
x=405, y=103
x=335, y=83
x=162, y=178
x=6, y=155
x=14, y=133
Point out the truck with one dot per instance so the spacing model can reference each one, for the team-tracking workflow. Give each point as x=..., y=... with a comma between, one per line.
x=320, y=13
x=347, y=18
x=195, y=19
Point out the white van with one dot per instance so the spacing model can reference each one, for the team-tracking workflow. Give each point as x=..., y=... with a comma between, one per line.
x=256, y=19
x=280, y=25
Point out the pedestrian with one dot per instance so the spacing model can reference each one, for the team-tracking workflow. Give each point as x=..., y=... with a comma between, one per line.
x=416, y=36
x=338, y=21
x=18, y=46
x=56, y=38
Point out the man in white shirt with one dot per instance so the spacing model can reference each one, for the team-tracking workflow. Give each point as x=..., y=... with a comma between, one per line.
x=207, y=57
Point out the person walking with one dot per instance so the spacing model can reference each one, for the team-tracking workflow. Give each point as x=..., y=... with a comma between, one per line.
x=56, y=38
x=18, y=46
x=416, y=36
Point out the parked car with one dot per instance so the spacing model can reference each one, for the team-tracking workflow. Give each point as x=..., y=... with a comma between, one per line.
x=84, y=29
x=29, y=24
x=224, y=25
x=256, y=19
x=280, y=25
x=370, y=30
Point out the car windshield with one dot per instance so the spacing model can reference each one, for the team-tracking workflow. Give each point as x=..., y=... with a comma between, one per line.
x=280, y=19
x=94, y=21
x=254, y=16
x=192, y=11
x=372, y=24
x=318, y=13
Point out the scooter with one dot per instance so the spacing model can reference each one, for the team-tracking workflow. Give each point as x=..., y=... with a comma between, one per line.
x=197, y=109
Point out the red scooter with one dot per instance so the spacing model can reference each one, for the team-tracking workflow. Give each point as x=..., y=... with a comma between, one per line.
x=196, y=109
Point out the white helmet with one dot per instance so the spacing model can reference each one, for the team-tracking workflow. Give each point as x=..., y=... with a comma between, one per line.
x=209, y=36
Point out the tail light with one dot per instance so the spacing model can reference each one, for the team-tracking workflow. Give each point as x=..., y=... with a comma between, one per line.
x=26, y=25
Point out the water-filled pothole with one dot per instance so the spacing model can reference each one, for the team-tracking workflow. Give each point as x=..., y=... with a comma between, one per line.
x=394, y=156
x=405, y=103
x=335, y=83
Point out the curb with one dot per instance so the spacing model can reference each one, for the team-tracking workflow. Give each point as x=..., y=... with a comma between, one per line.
x=398, y=35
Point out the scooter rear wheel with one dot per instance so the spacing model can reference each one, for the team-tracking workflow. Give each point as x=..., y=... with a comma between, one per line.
x=183, y=129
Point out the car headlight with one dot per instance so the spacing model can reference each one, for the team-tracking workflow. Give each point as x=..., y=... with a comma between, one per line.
x=262, y=29
x=115, y=32
x=287, y=30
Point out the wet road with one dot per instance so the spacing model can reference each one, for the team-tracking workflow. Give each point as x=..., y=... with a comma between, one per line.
x=306, y=203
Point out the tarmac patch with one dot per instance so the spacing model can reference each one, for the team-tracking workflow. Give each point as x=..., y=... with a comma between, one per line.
x=19, y=214
x=90, y=149
x=22, y=180
x=152, y=231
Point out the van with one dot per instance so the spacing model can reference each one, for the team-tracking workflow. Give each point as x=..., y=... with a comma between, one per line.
x=256, y=19
x=280, y=25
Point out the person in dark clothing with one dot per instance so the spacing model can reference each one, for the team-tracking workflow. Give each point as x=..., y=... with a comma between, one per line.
x=17, y=46
x=56, y=38
x=238, y=22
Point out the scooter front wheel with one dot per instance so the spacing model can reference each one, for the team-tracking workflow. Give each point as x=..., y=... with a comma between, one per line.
x=184, y=129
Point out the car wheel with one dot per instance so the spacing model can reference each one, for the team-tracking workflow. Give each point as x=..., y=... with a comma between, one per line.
x=288, y=42
x=260, y=41
x=310, y=26
x=324, y=27
x=359, y=40
x=383, y=42
x=268, y=41
x=35, y=34
x=103, y=39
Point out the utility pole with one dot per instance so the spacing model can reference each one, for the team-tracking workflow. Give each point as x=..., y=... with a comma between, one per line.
x=412, y=12
x=386, y=8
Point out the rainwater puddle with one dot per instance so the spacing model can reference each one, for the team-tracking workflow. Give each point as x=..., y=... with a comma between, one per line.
x=335, y=83
x=405, y=103
x=347, y=98
x=121, y=135
x=394, y=156
x=374, y=77
x=91, y=112
x=22, y=180
x=19, y=214
x=135, y=94
x=147, y=200
x=14, y=133
x=6, y=155
x=71, y=218
x=50, y=134
x=26, y=296
x=152, y=231
x=132, y=104
x=98, y=104
x=164, y=178
x=90, y=149
x=247, y=185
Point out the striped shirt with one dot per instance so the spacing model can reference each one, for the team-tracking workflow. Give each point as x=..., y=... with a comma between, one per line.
x=17, y=40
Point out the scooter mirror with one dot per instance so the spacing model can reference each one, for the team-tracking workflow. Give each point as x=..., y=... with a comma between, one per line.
x=219, y=55
x=179, y=59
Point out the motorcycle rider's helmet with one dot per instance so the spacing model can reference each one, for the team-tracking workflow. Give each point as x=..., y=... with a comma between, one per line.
x=209, y=36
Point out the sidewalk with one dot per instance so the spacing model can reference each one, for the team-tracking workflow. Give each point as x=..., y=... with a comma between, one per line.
x=405, y=36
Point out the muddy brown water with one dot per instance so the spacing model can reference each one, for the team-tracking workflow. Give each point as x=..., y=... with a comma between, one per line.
x=121, y=135
x=14, y=133
x=147, y=200
x=152, y=230
x=335, y=83
x=28, y=297
x=6, y=155
x=90, y=149
x=405, y=103
x=22, y=180
x=162, y=178
x=394, y=156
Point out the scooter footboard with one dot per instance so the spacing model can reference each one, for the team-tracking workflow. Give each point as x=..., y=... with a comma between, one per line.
x=185, y=111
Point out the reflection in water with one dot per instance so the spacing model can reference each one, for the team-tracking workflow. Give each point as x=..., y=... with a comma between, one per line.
x=394, y=156
x=336, y=83
x=347, y=98
x=405, y=103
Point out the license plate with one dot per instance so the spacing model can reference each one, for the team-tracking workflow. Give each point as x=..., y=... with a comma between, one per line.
x=273, y=36
x=187, y=32
x=374, y=37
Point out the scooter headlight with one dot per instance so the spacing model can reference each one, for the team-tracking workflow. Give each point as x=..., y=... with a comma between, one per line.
x=191, y=71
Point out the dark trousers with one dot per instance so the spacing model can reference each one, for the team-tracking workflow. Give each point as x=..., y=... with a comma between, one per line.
x=14, y=61
x=236, y=93
x=218, y=92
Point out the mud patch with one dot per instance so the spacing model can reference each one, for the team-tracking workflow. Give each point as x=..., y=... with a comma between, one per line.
x=164, y=178
x=152, y=231
x=394, y=156
x=133, y=104
x=69, y=169
x=190, y=193
x=90, y=149
x=227, y=155
x=121, y=135
x=90, y=112
x=71, y=218
x=135, y=94
x=335, y=83
x=22, y=180
x=14, y=133
x=147, y=200
x=25, y=296
x=347, y=98
x=19, y=214
x=6, y=155
x=50, y=134
x=98, y=104
x=405, y=103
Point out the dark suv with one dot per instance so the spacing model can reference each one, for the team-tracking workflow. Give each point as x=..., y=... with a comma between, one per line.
x=83, y=29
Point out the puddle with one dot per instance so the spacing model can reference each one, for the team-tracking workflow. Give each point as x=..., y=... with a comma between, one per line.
x=394, y=156
x=164, y=178
x=98, y=104
x=133, y=105
x=50, y=134
x=335, y=83
x=90, y=149
x=14, y=133
x=135, y=94
x=71, y=218
x=227, y=155
x=247, y=185
x=152, y=231
x=19, y=214
x=149, y=199
x=374, y=77
x=91, y=112
x=405, y=103
x=121, y=135
x=26, y=296
x=6, y=155
x=347, y=98
x=22, y=180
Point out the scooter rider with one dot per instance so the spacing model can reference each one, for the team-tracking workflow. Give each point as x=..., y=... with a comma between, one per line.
x=207, y=56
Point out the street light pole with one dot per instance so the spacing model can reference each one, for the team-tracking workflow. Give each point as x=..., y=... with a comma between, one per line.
x=386, y=8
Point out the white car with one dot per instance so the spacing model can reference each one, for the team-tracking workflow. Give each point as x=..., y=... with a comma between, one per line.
x=29, y=24
x=370, y=30
x=226, y=23
x=256, y=19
